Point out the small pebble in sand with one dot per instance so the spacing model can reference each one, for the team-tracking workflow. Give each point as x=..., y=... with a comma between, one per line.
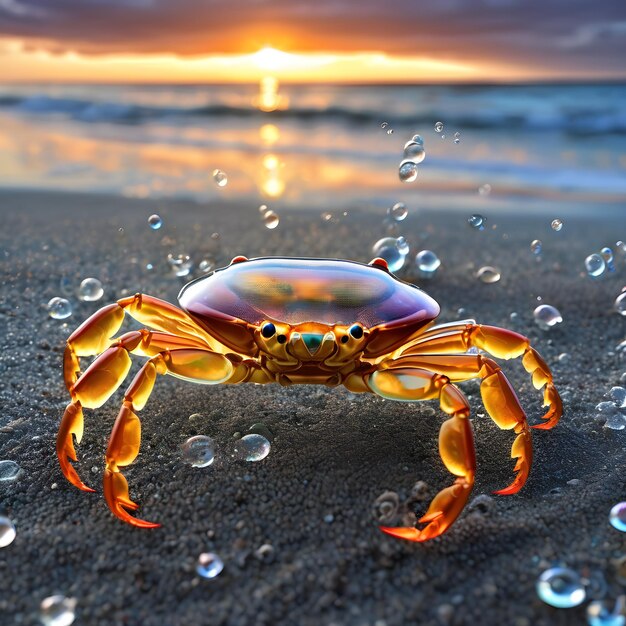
x=7, y=531
x=59, y=308
x=209, y=565
x=561, y=587
x=57, y=611
x=606, y=613
x=547, y=316
x=9, y=471
x=617, y=517
x=252, y=447
x=198, y=451
x=90, y=290
x=556, y=224
x=220, y=178
x=155, y=222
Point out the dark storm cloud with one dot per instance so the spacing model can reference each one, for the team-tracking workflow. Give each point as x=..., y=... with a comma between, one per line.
x=561, y=35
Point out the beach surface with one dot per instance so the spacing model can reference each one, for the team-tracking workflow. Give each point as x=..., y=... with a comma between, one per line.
x=333, y=453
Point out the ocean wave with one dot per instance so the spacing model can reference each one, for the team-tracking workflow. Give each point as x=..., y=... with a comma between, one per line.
x=605, y=120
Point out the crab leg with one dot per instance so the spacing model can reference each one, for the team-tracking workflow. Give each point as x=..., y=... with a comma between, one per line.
x=501, y=343
x=456, y=443
x=498, y=397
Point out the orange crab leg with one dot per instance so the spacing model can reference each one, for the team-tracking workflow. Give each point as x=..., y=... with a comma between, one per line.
x=456, y=443
x=501, y=343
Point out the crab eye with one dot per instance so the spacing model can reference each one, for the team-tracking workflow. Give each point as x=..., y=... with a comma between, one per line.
x=356, y=331
x=267, y=330
x=281, y=338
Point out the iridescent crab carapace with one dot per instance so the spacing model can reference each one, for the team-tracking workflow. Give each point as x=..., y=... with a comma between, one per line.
x=303, y=321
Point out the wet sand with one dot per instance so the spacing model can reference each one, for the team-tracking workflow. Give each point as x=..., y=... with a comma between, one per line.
x=333, y=452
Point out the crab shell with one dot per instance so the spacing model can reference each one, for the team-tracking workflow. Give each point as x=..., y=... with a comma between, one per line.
x=313, y=304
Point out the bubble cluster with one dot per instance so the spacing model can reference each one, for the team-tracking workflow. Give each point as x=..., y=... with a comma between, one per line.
x=477, y=221
x=9, y=471
x=90, y=290
x=220, y=178
x=392, y=250
x=7, y=531
x=427, y=263
x=398, y=212
x=617, y=517
x=57, y=611
x=59, y=308
x=407, y=172
x=198, y=451
x=155, y=222
x=488, y=274
x=547, y=316
x=209, y=565
x=252, y=447
x=561, y=587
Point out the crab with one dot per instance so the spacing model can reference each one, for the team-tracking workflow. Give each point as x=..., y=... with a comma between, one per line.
x=303, y=321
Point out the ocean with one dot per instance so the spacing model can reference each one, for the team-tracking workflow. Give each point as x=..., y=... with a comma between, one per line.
x=324, y=147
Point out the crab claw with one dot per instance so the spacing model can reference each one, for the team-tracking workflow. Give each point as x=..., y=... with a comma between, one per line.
x=522, y=450
x=118, y=499
x=552, y=399
x=71, y=424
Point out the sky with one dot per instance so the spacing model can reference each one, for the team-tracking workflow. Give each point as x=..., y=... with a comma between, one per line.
x=321, y=40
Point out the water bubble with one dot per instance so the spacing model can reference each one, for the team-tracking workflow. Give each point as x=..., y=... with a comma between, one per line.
x=207, y=264
x=607, y=255
x=620, y=303
x=617, y=517
x=488, y=274
x=198, y=451
x=329, y=518
x=407, y=172
x=621, y=247
x=547, y=316
x=418, y=139
x=484, y=190
x=414, y=151
x=384, y=125
x=390, y=131
x=427, y=263
x=252, y=447
x=90, y=290
x=9, y=471
x=606, y=613
x=209, y=565
x=57, y=611
x=595, y=265
x=180, y=264
x=398, y=211
x=220, y=178
x=402, y=245
x=59, y=308
x=326, y=216
x=387, y=248
x=439, y=127
x=443, y=136
x=262, y=208
x=477, y=221
x=618, y=396
x=155, y=222
x=561, y=587
x=7, y=531
x=556, y=224
x=271, y=220
x=535, y=246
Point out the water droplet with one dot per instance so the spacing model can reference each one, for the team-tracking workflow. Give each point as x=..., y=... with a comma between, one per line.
x=547, y=316
x=535, y=246
x=564, y=357
x=477, y=221
x=390, y=131
x=607, y=255
x=207, y=264
x=271, y=220
x=155, y=222
x=427, y=263
x=262, y=208
x=57, y=611
x=488, y=274
x=387, y=248
x=59, y=308
x=209, y=565
x=329, y=518
x=7, y=531
x=620, y=303
x=457, y=137
x=484, y=190
x=439, y=127
x=443, y=136
x=398, y=211
x=326, y=216
x=90, y=290
x=457, y=140
x=384, y=125
x=595, y=265
x=9, y=471
x=556, y=224
x=606, y=613
x=220, y=178
x=621, y=247
x=417, y=139
x=514, y=317
x=618, y=395
x=402, y=245
x=181, y=264
x=407, y=172
x=561, y=587
x=252, y=447
x=149, y=267
x=198, y=451
x=617, y=517
x=414, y=151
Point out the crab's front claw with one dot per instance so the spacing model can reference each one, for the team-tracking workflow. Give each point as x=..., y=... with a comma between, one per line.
x=118, y=499
x=71, y=424
x=443, y=510
x=552, y=399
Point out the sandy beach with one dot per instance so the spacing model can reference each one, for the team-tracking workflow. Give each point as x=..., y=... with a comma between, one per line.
x=333, y=454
